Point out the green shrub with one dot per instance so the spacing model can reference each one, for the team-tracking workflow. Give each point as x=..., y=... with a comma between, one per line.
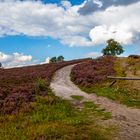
x=41, y=86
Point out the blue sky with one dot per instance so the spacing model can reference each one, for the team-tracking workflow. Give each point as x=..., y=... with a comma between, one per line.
x=41, y=48
x=73, y=2
x=74, y=29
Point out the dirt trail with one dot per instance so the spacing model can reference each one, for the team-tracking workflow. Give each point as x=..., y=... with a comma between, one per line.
x=127, y=118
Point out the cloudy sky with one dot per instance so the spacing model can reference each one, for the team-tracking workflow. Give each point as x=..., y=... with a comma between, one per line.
x=32, y=31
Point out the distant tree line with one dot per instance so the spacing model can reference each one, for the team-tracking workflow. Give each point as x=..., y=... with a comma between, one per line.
x=57, y=59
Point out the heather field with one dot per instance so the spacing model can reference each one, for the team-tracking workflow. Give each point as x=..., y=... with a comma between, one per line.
x=18, y=86
x=93, y=71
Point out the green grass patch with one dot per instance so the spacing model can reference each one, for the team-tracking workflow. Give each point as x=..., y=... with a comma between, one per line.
x=54, y=118
x=77, y=97
x=128, y=97
x=120, y=71
x=99, y=112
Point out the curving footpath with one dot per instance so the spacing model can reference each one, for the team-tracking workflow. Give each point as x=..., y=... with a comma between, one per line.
x=128, y=119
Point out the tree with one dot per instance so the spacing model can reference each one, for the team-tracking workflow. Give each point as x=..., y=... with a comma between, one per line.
x=60, y=58
x=56, y=59
x=113, y=48
x=0, y=65
x=53, y=60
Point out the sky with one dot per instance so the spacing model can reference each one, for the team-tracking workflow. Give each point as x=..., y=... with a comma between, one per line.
x=33, y=31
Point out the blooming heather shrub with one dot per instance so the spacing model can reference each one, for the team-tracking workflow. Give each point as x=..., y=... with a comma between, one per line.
x=17, y=85
x=93, y=72
x=13, y=102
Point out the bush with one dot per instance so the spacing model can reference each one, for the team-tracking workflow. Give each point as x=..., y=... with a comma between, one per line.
x=41, y=85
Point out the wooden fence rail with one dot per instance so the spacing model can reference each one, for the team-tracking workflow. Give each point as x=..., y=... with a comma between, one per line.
x=121, y=78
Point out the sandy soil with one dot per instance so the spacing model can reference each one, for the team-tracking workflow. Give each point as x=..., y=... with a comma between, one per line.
x=128, y=119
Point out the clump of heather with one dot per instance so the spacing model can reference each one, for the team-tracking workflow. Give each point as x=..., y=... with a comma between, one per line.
x=93, y=72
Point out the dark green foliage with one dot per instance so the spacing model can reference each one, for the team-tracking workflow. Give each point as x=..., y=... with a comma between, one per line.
x=77, y=97
x=57, y=59
x=0, y=64
x=41, y=85
x=60, y=58
x=53, y=60
x=113, y=48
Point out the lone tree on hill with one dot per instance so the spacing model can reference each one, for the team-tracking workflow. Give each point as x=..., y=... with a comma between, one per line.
x=113, y=48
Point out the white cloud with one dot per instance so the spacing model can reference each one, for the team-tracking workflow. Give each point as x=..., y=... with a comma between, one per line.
x=22, y=58
x=93, y=54
x=121, y=33
x=98, y=2
x=34, y=18
x=121, y=23
x=47, y=60
x=66, y=4
x=15, y=59
x=3, y=57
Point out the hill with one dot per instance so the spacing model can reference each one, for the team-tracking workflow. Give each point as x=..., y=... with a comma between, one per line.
x=30, y=110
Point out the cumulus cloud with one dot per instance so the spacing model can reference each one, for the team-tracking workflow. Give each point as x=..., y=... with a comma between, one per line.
x=15, y=59
x=123, y=25
x=64, y=22
x=121, y=33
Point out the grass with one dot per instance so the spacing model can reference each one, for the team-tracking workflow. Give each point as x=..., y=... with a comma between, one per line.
x=99, y=112
x=53, y=118
x=128, y=97
x=120, y=71
x=77, y=97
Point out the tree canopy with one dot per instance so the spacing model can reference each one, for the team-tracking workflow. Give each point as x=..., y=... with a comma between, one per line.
x=53, y=60
x=113, y=48
x=57, y=59
x=60, y=58
x=0, y=65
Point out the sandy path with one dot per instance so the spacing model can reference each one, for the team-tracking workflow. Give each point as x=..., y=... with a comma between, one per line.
x=127, y=118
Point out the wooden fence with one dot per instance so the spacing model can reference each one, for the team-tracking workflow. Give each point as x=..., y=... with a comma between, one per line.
x=121, y=78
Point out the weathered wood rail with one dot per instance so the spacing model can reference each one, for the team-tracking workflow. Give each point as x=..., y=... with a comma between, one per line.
x=121, y=78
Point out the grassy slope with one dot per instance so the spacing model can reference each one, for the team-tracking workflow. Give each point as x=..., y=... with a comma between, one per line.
x=125, y=92
x=54, y=118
